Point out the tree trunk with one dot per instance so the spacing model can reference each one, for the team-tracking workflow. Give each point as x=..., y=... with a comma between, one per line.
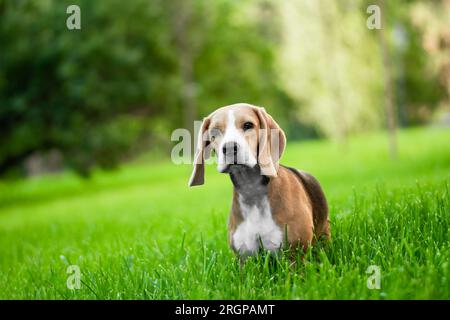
x=182, y=16
x=330, y=46
x=388, y=86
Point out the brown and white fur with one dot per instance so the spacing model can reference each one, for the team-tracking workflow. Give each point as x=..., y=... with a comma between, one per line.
x=268, y=199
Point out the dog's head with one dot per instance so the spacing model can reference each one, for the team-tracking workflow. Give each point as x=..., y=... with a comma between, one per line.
x=239, y=134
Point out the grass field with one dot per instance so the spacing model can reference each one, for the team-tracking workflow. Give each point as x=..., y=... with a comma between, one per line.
x=141, y=233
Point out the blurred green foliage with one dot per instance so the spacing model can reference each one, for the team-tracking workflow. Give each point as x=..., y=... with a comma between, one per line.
x=100, y=93
x=138, y=69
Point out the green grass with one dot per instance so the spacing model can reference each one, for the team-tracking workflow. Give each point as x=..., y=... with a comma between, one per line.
x=141, y=233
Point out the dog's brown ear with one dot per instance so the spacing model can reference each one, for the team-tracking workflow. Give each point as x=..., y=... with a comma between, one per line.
x=272, y=142
x=202, y=154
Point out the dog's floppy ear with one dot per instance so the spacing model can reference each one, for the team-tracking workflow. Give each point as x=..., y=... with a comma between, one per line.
x=272, y=142
x=202, y=154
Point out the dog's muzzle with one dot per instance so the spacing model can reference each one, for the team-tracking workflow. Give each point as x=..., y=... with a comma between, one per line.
x=230, y=152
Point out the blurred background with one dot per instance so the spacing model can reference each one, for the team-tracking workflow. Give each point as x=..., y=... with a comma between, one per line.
x=138, y=69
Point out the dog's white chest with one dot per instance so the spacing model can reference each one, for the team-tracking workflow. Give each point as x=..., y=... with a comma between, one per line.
x=258, y=227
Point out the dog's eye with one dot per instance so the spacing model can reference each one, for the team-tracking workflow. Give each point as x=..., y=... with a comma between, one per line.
x=214, y=133
x=247, y=126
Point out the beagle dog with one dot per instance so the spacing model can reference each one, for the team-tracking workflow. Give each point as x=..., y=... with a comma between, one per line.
x=272, y=203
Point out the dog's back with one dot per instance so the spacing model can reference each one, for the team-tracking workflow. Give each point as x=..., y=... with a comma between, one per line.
x=318, y=202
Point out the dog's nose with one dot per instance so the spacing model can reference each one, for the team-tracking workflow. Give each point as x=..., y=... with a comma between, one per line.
x=230, y=148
